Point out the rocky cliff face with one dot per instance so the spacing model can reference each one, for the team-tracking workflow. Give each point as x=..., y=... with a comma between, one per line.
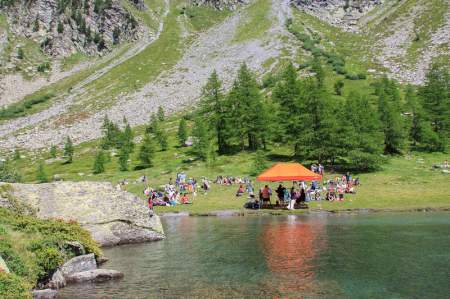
x=63, y=27
x=113, y=217
x=342, y=13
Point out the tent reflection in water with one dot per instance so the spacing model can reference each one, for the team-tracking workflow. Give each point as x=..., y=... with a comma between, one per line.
x=282, y=172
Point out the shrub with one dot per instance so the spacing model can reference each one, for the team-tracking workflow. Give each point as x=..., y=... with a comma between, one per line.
x=352, y=76
x=48, y=259
x=13, y=287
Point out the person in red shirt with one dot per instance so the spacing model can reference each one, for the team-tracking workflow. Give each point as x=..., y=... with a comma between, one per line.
x=184, y=199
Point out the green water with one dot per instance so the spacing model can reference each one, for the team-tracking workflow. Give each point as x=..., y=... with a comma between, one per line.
x=318, y=256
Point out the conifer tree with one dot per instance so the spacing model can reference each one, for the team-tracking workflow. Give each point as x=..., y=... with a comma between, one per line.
x=68, y=150
x=124, y=155
x=213, y=109
x=111, y=134
x=16, y=156
x=41, y=176
x=161, y=114
x=421, y=133
x=147, y=152
x=364, y=142
x=338, y=87
x=99, y=162
x=53, y=151
x=389, y=110
x=202, y=140
x=246, y=105
x=319, y=73
x=182, y=132
x=127, y=138
x=435, y=95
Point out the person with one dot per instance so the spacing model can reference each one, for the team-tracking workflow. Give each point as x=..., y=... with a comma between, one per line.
x=249, y=188
x=446, y=164
x=294, y=196
x=240, y=191
x=265, y=194
x=321, y=168
x=185, y=199
x=302, y=196
x=286, y=196
x=340, y=191
x=280, y=192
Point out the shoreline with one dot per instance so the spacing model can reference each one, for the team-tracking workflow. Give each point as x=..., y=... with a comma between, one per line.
x=264, y=212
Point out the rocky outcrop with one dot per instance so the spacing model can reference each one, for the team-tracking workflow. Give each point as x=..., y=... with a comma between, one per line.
x=79, y=264
x=113, y=217
x=66, y=27
x=341, y=13
x=3, y=266
x=97, y=275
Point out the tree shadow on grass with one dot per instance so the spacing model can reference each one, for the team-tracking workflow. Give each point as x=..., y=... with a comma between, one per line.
x=280, y=158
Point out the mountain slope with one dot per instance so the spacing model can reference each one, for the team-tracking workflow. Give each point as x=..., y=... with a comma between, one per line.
x=372, y=38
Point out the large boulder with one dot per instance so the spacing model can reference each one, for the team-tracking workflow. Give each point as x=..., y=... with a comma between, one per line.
x=44, y=294
x=112, y=216
x=79, y=264
x=98, y=275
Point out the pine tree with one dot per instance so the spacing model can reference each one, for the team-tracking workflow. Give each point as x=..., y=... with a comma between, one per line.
x=53, y=151
x=124, y=155
x=213, y=109
x=246, y=109
x=162, y=139
x=41, y=176
x=319, y=73
x=390, y=115
x=287, y=95
x=99, y=162
x=127, y=138
x=182, y=132
x=420, y=130
x=435, y=96
x=161, y=114
x=68, y=150
x=20, y=53
x=364, y=142
x=111, y=134
x=202, y=140
x=16, y=156
x=155, y=128
x=147, y=152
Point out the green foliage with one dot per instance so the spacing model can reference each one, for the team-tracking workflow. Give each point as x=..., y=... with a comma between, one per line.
x=8, y=173
x=60, y=27
x=18, y=109
x=111, y=134
x=259, y=163
x=182, y=133
x=99, y=162
x=202, y=147
x=43, y=67
x=161, y=113
x=48, y=259
x=41, y=176
x=435, y=97
x=213, y=109
x=20, y=53
x=53, y=151
x=390, y=115
x=13, y=287
x=68, y=150
x=116, y=35
x=16, y=156
x=147, y=152
x=124, y=155
x=338, y=87
x=36, y=25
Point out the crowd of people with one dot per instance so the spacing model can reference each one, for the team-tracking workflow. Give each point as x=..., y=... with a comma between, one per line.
x=300, y=193
x=184, y=190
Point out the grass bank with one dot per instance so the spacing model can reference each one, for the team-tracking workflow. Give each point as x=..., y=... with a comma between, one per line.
x=403, y=183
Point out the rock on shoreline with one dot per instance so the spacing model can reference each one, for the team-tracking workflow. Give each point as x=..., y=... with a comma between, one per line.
x=113, y=217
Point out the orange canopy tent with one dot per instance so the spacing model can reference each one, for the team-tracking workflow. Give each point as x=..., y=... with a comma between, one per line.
x=288, y=172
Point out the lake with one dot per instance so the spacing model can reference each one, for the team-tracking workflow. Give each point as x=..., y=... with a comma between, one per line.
x=404, y=255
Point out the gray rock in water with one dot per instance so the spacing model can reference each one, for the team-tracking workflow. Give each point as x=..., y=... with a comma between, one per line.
x=112, y=216
x=98, y=275
x=3, y=266
x=79, y=264
x=58, y=281
x=44, y=294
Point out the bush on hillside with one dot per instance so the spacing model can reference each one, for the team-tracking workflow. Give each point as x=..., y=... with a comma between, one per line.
x=13, y=287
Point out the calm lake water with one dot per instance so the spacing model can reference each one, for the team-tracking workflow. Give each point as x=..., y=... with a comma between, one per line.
x=318, y=256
